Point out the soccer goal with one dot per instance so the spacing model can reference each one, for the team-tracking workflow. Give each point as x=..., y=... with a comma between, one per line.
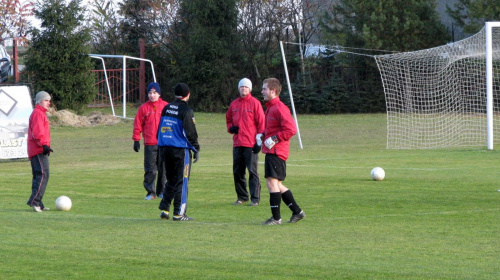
x=124, y=78
x=448, y=96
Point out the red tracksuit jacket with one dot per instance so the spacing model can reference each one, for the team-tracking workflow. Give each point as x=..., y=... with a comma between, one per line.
x=38, y=131
x=147, y=120
x=279, y=122
x=248, y=115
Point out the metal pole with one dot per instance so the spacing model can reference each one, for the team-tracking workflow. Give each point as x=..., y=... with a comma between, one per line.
x=489, y=82
x=107, y=83
x=290, y=92
x=124, y=81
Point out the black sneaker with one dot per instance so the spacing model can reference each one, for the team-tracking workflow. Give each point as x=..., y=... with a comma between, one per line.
x=164, y=215
x=182, y=218
x=271, y=221
x=297, y=217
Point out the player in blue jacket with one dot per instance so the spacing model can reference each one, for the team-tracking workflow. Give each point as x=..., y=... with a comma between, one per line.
x=177, y=140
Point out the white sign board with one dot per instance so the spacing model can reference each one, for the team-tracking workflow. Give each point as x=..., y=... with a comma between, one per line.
x=15, y=111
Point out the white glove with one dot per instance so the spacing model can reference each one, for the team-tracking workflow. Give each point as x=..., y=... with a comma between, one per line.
x=271, y=141
x=258, y=138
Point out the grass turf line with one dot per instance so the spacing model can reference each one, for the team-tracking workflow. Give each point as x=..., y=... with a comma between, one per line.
x=434, y=216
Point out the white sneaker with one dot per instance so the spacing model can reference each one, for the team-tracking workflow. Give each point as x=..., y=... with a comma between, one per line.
x=37, y=208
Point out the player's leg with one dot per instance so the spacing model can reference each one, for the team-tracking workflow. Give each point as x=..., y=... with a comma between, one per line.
x=40, y=170
x=162, y=178
x=274, y=197
x=178, y=166
x=274, y=171
x=150, y=170
x=168, y=192
x=251, y=162
x=240, y=184
x=289, y=200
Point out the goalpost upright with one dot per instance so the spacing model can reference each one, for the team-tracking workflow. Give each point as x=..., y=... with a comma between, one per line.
x=489, y=81
x=290, y=93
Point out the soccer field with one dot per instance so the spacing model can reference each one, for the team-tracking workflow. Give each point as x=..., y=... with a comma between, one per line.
x=436, y=215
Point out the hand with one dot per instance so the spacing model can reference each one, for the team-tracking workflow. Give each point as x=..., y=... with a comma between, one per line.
x=47, y=150
x=137, y=146
x=271, y=141
x=256, y=148
x=196, y=157
x=258, y=138
x=234, y=129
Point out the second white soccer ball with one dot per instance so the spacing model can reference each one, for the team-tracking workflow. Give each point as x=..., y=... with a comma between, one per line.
x=378, y=174
x=63, y=203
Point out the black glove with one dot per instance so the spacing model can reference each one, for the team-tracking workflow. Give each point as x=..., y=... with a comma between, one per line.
x=47, y=150
x=256, y=148
x=196, y=157
x=137, y=146
x=234, y=129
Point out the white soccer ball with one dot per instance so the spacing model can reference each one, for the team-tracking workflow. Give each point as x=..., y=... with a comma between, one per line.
x=63, y=203
x=378, y=174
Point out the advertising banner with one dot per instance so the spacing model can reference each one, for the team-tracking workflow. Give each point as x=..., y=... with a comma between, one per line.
x=15, y=111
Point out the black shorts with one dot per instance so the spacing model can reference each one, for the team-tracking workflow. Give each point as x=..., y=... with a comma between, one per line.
x=274, y=167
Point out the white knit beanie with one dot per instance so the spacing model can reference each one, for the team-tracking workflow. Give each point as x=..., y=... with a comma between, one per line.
x=41, y=96
x=245, y=83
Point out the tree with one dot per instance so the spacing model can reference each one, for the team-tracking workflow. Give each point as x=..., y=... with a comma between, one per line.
x=105, y=27
x=472, y=15
x=13, y=18
x=262, y=24
x=375, y=25
x=204, y=48
x=134, y=24
x=58, y=56
x=386, y=25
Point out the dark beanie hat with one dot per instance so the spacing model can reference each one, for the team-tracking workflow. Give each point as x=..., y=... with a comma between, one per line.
x=156, y=86
x=181, y=90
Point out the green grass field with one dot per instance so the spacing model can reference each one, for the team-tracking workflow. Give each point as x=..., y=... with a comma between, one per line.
x=435, y=216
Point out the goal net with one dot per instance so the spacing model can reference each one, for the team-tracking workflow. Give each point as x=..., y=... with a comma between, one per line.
x=437, y=98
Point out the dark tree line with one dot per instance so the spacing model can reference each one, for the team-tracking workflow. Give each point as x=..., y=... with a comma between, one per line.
x=211, y=44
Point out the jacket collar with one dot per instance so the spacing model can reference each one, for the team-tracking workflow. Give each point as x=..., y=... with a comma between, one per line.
x=157, y=101
x=248, y=96
x=41, y=108
x=272, y=101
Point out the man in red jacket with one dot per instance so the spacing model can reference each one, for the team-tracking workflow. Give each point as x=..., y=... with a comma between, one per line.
x=280, y=127
x=146, y=122
x=39, y=150
x=245, y=120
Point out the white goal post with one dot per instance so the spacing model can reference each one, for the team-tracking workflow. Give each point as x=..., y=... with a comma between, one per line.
x=489, y=80
x=447, y=96
x=124, y=78
x=291, y=95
